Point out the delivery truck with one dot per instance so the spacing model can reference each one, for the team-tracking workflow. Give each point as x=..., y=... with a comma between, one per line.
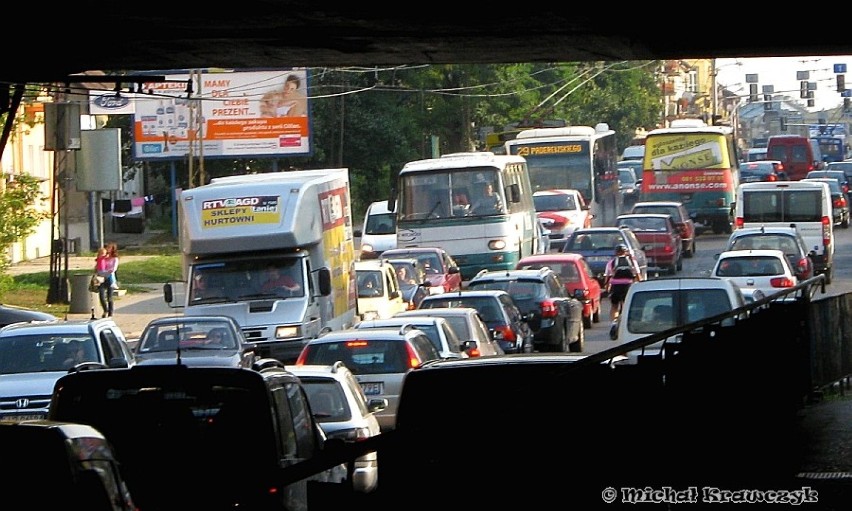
x=274, y=251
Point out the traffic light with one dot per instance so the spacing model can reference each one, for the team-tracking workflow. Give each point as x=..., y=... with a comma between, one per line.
x=803, y=89
x=810, y=98
x=767, y=101
x=752, y=93
x=846, y=104
x=841, y=83
x=783, y=123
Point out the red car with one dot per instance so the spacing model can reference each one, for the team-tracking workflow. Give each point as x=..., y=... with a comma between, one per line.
x=660, y=238
x=681, y=218
x=442, y=272
x=577, y=276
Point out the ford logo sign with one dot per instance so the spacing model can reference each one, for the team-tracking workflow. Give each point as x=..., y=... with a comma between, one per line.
x=111, y=102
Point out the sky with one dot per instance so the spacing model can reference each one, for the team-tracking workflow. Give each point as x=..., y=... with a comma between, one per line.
x=780, y=72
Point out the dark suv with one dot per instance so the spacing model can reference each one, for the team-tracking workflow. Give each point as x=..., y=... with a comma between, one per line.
x=501, y=315
x=555, y=318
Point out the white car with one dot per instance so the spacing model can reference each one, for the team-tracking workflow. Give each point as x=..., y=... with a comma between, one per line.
x=561, y=211
x=766, y=270
x=379, y=230
x=379, y=293
x=343, y=411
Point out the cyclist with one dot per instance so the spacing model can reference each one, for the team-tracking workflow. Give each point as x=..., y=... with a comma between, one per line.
x=621, y=271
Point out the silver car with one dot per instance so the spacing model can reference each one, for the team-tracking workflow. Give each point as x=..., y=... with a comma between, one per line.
x=467, y=324
x=343, y=411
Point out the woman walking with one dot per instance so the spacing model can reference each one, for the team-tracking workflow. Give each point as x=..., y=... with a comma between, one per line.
x=105, y=265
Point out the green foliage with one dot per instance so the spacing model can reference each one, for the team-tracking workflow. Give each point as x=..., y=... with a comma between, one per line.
x=20, y=212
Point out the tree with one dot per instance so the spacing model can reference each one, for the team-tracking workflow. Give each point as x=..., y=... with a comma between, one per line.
x=20, y=212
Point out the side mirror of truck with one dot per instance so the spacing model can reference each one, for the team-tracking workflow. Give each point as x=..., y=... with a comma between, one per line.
x=324, y=277
x=168, y=293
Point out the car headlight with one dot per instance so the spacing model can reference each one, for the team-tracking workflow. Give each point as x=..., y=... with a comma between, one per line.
x=287, y=332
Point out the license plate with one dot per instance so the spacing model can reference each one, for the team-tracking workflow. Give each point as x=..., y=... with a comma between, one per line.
x=16, y=418
x=372, y=388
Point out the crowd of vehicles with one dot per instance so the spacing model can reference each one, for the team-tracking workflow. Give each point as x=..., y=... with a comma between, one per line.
x=483, y=291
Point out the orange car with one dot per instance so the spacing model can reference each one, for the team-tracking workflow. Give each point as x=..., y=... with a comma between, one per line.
x=577, y=277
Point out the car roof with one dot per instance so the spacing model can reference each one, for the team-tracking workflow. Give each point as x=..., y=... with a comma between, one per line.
x=400, y=321
x=681, y=283
x=53, y=326
x=366, y=334
x=557, y=191
x=769, y=229
x=658, y=203
x=443, y=311
x=510, y=274
x=555, y=257
x=466, y=292
x=644, y=215
x=335, y=370
x=752, y=252
x=413, y=250
x=166, y=320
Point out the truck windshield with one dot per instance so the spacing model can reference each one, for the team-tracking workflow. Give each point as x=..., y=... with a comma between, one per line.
x=236, y=280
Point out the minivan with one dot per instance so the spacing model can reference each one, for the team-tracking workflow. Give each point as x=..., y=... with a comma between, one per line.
x=805, y=204
x=657, y=305
x=796, y=152
x=378, y=232
x=213, y=438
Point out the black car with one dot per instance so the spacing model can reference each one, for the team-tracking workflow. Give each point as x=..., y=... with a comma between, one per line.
x=555, y=318
x=762, y=170
x=13, y=314
x=508, y=325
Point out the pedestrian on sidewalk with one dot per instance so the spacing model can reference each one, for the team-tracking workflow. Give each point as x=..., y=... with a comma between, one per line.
x=106, y=266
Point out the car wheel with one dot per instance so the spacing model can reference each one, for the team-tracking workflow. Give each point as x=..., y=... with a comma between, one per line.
x=845, y=223
x=691, y=251
x=596, y=316
x=679, y=265
x=829, y=274
x=587, y=320
x=578, y=345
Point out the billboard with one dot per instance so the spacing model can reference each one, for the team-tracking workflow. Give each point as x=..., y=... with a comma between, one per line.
x=236, y=114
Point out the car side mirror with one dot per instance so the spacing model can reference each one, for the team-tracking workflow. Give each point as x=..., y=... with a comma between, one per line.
x=578, y=294
x=468, y=345
x=453, y=269
x=394, y=295
x=168, y=293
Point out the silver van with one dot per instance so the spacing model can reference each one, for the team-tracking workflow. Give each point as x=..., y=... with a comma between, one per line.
x=806, y=204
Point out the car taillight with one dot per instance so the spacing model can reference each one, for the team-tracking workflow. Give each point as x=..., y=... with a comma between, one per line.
x=826, y=231
x=803, y=268
x=839, y=202
x=411, y=306
x=668, y=249
x=549, y=309
x=771, y=177
x=300, y=360
x=739, y=222
x=413, y=359
x=585, y=296
x=781, y=282
x=351, y=434
x=508, y=335
x=473, y=352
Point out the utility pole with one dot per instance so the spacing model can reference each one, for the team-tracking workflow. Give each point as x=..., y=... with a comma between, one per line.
x=715, y=93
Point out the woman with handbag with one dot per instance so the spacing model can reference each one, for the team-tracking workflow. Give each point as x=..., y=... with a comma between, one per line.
x=106, y=265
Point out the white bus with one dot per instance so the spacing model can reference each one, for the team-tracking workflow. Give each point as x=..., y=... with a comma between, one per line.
x=578, y=157
x=478, y=207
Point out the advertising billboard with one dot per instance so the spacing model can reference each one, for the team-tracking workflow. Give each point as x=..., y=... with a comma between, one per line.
x=236, y=114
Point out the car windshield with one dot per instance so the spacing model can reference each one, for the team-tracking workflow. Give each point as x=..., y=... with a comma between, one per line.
x=489, y=308
x=45, y=353
x=525, y=293
x=188, y=334
x=626, y=177
x=644, y=224
x=781, y=242
x=554, y=202
x=606, y=241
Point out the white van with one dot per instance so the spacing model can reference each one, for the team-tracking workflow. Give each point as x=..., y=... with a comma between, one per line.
x=379, y=294
x=378, y=231
x=633, y=152
x=656, y=305
x=806, y=204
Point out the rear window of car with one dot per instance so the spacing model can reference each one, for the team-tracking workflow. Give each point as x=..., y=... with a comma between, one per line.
x=782, y=206
x=374, y=356
x=659, y=310
x=750, y=266
x=664, y=210
x=782, y=242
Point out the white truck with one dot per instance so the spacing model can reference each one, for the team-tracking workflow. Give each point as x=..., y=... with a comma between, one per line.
x=275, y=252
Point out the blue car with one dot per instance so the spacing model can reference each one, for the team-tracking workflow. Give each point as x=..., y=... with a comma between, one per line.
x=597, y=246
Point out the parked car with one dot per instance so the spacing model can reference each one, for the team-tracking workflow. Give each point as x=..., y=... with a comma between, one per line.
x=597, y=245
x=13, y=314
x=561, y=211
x=659, y=237
x=378, y=231
x=442, y=272
x=508, y=326
x=379, y=293
x=767, y=270
x=785, y=239
x=467, y=324
x=555, y=317
x=680, y=216
x=33, y=356
x=378, y=357
x=344, y=412
x=762, y=170
x=839, y=201
x=576, y=276
x=194, y=340
x=439, y=331
x=412, y=280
